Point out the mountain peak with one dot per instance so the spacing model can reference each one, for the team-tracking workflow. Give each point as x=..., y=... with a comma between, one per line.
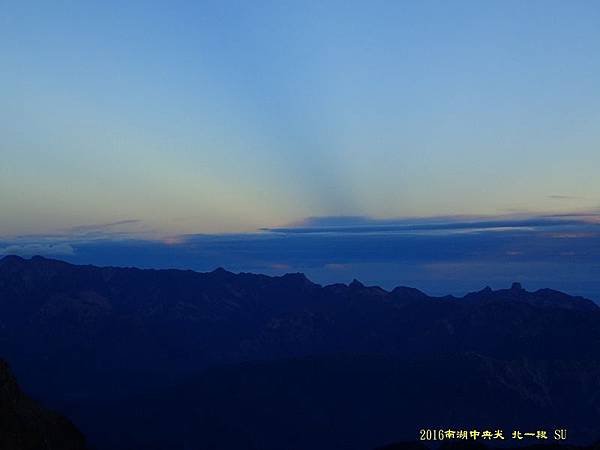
x=408, y=292
x=545, y=298
x=11, y=259
x=516, y=287
x=295, y=276
x=356, y=284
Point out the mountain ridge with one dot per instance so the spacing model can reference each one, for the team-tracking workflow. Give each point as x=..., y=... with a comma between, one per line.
x=355, y=284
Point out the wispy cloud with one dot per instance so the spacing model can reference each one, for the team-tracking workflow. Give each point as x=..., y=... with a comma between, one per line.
x=32, y=249
x=363, y=224
x=102, y=227
x=565, y=197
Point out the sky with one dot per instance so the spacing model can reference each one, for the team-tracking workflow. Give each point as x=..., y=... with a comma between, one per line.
x=131, y=126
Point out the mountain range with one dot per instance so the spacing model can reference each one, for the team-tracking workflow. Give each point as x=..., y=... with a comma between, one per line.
x=172, y=359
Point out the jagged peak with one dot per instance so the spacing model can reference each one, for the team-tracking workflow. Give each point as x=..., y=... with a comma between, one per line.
x=517, y=287
x=540, y=298
x=295, y=276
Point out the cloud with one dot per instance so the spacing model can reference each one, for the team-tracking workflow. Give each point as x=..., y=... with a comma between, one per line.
x=32, y=249
x=105, y=229
x=565, y=197
x=337, y=266
x=363, y=224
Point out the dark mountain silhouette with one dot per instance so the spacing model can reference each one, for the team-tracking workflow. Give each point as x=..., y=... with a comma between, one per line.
x=25, y=425
x=179, y=359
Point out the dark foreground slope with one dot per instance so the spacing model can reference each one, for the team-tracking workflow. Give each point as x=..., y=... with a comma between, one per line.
x=24, y=425
x=179, y=359
x=358, y=402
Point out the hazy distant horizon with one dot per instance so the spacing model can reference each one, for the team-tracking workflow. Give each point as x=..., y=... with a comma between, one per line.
x=444, y=255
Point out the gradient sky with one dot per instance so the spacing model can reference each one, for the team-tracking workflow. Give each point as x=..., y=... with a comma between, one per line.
x=204, y=117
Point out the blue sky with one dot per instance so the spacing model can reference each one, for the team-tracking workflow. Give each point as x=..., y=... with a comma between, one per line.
x=177, y=118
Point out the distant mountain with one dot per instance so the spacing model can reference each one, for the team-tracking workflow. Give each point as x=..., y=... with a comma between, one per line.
x=99, y=342
x=25, y=425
